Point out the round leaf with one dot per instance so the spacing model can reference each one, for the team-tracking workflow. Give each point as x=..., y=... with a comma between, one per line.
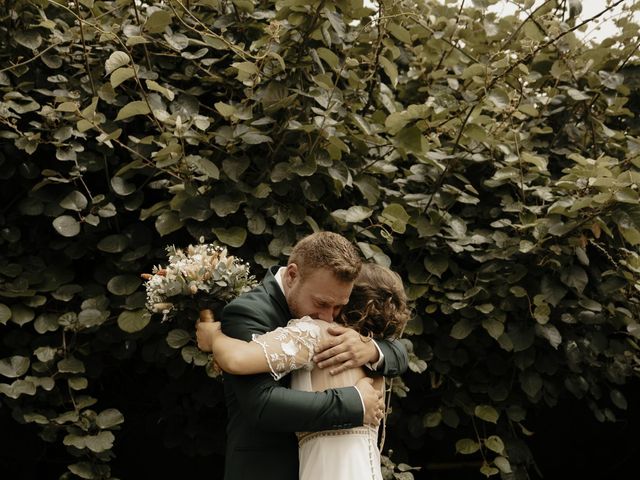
x=116, y=60
x=531, y=383
x=137, y=107
x=46, y=323
x=503, y=464
x=45, y=354
x=123, y=284
x=357, y=213
x=168, y=222
x=486, y=413
x=74, y=201
x=461, y=329
x=5, y=314
x=467, y=446
x=121, y=75
x=618, y=399
x=78, y=383
x=436, y=264
x=113, y=243
x=21, y=314
x=396, y=217
x=494, y=443
x=493, y=327
x=66, y=292
x=178, y=338
x=101, y=442
x=92, y=317
x=15, y=366
x=158, y=21
x=28, y=38
x=133, y=321
x=234, y=236
x=122, y=187
x=66, y=226
x=432, y=419
x=71, y=365
x=109, y=418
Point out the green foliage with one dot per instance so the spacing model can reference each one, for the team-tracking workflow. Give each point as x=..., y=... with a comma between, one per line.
x=493, y=162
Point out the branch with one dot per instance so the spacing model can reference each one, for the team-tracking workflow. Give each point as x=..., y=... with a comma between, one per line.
x=124, y=47
x=38, y=55
x=144, y=46
x=376, y=60
x=207, y=32
x=495, y=79
x=447, y=53
x=517, y=30
x=84, y=49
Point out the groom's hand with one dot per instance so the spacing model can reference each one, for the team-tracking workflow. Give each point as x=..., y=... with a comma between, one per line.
x=345, y=349
x=373, y=401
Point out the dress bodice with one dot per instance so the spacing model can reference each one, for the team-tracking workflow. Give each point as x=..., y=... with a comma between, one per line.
x=348, y=454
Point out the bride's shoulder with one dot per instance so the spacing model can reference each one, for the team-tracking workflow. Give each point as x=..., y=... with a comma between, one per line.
x=312, y=325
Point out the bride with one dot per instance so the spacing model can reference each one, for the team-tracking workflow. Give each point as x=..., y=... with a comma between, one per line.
x=377, y=308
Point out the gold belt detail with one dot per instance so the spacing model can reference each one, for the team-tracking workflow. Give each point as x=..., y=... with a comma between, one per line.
x=304, y=437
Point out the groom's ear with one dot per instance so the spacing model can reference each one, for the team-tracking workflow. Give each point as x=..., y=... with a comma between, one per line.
x=290, y=274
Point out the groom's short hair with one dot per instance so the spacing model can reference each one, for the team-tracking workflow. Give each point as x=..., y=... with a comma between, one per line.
x=327, y=250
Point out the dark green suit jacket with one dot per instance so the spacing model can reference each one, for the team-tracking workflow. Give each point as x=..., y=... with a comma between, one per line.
x=264, y=414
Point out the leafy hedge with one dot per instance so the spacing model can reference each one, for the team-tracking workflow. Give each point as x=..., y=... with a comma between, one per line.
x=493, y=162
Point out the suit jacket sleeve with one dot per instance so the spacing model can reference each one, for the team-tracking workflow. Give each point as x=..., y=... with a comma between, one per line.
x=396, y=358
x=270, y=406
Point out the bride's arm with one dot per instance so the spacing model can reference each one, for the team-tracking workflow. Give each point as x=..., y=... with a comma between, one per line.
x=292, y=347
x=278, y=352
x=231, y=354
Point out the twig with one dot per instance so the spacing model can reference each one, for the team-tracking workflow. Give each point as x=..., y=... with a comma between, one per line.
x=495, y=79
x=207, y=32
x=373, y=68
x=515, y=32
x=144, y=46
x=39, y=54
x=420, y=22
x=84, y=48
x=124, y=47
x=515, y=139
x=447, y=53
x=149, y=162
x=454, y=150
x=308, y=31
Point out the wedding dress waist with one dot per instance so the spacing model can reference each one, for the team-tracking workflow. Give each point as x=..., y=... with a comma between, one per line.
x=366, y=430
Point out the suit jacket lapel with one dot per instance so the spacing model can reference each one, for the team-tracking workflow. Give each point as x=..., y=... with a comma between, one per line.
x=275, y=292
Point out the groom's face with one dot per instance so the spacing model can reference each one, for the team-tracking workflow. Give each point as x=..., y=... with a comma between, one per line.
x=318, y=294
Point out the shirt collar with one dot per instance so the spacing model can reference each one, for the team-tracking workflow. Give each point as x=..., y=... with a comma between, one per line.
x=278, y=277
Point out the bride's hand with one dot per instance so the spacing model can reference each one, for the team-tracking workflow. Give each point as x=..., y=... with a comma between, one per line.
x=206, y=330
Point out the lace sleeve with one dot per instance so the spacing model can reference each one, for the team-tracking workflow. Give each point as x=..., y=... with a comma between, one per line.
x=292, y=347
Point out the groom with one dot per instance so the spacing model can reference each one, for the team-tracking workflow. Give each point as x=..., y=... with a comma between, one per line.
x=263, y=413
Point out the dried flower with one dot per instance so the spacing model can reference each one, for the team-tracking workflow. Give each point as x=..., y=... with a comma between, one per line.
x=199, y=276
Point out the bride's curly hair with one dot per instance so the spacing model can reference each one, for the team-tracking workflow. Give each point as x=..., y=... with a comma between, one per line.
x=378, y=303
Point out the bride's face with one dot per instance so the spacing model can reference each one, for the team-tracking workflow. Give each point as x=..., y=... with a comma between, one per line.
x=319, y=294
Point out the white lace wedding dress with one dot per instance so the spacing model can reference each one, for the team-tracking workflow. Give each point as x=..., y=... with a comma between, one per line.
x=349, y=454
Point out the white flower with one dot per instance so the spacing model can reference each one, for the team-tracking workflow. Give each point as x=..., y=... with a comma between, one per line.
x=202, y=268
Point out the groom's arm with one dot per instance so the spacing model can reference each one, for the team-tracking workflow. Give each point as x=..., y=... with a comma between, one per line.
x=271, y=406
x=396, y=358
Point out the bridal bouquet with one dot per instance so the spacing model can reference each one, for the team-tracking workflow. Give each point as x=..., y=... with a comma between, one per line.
x=199, y=277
